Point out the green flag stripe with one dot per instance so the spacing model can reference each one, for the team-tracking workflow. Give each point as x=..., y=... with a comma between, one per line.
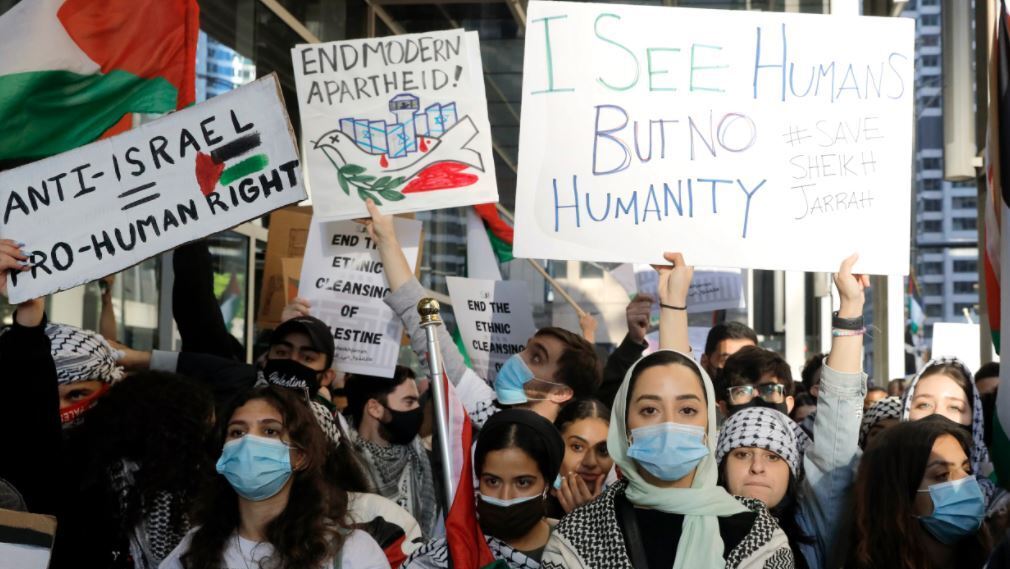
x=458, y=340
x=502, y=250
x=48, y=112
x=248, y=166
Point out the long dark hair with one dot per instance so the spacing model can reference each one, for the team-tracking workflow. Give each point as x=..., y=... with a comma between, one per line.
x=308, y=531
x=162, y=423
x=886, y=532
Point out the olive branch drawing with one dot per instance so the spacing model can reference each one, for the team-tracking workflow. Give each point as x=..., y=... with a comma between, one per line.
x=367, y=185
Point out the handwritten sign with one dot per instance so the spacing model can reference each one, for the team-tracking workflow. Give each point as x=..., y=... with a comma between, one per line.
x=343, y=278
x=711, y=289
x=401, y=120
x=494, y=318
x=742, y=139
x=101, y=208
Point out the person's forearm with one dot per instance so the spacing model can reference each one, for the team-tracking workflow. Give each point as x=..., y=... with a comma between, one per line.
x=847, y=351
x=673, y=330
x=394, y=264
x=107, y=321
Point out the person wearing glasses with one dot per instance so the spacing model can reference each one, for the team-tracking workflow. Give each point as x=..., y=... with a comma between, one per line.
x=756, y=377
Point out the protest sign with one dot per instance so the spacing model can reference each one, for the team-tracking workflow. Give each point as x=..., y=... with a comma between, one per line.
x=494, y=318
x=101, y=208
x=711, y=289
x=289, y=230
x=401, y=120
x=342, y=276
x=960, y=340
x=742, y=139
x=696, y=336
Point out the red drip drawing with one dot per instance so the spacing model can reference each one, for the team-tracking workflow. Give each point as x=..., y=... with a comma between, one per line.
x=383, y=162
x=441, y=176
x=208, y=172
x=423, y=146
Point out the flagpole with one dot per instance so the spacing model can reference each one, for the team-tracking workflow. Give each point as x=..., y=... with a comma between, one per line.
x=428, y=309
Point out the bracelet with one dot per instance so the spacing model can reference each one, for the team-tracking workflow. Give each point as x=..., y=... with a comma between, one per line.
x=671, y=307
x=842, y=332
x=846, y=323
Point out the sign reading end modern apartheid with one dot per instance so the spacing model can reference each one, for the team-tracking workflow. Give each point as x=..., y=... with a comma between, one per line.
x=494, y=318
x=101, y=208
x=343, y=278
x=401, y=120
x=742, y=139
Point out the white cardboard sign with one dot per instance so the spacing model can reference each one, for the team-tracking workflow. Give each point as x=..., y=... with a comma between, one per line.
x=494, y=318
x=342, y=277
x=960, y=340
x=401, y=120
x=101, y=208
x=742, y=139
x=711, y=289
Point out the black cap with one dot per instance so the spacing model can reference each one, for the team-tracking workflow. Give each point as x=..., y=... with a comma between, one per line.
x=317, y=331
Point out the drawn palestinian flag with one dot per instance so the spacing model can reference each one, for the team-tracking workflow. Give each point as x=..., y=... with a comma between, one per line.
x=230, y=162
x=73, y=70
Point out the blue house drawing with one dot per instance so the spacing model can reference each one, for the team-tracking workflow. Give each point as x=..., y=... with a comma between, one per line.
x=399, y=138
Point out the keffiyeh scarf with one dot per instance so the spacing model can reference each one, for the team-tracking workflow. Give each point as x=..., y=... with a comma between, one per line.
x=154, y=535
x=82, y=355
x=403, y=474
x=886, y=408
x=768, y=429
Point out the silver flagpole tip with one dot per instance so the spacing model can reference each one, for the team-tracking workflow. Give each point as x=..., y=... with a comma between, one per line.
x=429, y=309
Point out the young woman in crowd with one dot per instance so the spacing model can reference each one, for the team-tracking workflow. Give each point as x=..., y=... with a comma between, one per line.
x=945, y=387
x=918, y=503
x=667, y=511
x=763, y=454
x=583, y=425
x=271, y=504
x=881, y=416
x=517, y=457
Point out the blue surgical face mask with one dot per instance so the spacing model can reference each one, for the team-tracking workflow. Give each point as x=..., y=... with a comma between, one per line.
x=958, y=509
x=256, y=467
x=513, y=375
x=668, y=451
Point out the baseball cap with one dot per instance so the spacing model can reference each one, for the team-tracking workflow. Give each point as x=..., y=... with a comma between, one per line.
x=317, y=331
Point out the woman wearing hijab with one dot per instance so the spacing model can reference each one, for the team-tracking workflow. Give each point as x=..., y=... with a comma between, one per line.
x=881, y=416
x=945, y=387
x=763, y=454
x=667, y=511
x=517, y=457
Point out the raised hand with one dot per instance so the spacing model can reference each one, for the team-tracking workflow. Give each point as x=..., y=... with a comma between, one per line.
x=638, y=312
x=296, y=308
x=674, y=279
x=851, y=289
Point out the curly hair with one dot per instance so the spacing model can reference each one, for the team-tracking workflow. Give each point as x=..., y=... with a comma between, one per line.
x=161, y=422
x=309, y=530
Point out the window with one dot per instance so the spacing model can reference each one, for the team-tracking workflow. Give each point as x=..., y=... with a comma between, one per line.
x=965, y=287
x=960, y=307
x=966, y=266
x=932, y=226
x=931, y=289
x=590, y=271
x=931, y=268
x=964, y=224
x=930, y=20
x=932, y=164
x=932, y=184
x=930, y=61
x=964, y=202
x=934, y=310
x=932, y=205
x=929, y=40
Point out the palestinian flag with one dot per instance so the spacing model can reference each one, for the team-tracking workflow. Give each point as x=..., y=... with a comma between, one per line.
x=996, y=234
x=498, y=231
x=73, y=70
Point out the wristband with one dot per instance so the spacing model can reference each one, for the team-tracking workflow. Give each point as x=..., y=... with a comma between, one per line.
x=839, y=333
x=672, y=307
x=840, y=323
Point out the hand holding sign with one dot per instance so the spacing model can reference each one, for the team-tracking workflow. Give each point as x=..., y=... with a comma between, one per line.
x=674, y=284
x=851, y=289
x=12, y=258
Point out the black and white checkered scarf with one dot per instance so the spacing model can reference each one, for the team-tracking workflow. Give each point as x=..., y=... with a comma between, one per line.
x=768, y=429
x=82, y=355
x=886, y=408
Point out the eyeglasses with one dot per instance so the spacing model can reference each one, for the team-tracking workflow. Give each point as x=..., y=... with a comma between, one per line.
x=770, y=392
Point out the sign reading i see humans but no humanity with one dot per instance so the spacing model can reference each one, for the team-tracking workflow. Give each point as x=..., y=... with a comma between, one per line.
x=103, y=207
x=742, y=139
x=494, y=318
x=343, y=278
x=401, y=120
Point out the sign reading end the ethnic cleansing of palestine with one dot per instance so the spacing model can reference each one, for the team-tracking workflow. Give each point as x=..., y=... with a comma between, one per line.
x=101, y=208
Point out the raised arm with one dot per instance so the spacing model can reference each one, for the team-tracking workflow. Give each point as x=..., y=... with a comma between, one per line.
x=847, y=345
x=674, y=283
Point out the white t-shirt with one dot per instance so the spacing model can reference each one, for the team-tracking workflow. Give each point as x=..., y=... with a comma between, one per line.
x=359, y=552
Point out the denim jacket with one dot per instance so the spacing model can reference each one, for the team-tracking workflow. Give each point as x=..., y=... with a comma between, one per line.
x=829, y=463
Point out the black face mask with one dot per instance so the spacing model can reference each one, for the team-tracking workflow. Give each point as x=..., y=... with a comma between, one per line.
x=512, y=521
x=759, y=402
x=293, y=375
x=403, y=427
